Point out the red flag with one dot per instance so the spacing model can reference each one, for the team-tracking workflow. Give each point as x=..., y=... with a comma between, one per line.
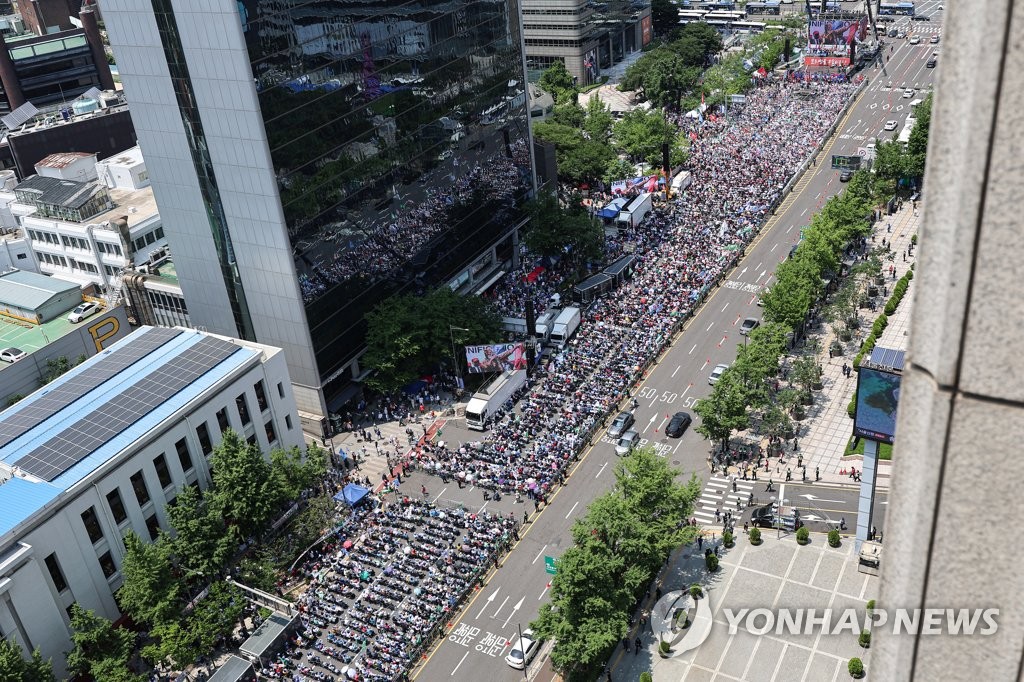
x=693, y=136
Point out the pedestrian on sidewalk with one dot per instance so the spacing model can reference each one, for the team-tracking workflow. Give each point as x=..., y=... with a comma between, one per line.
x=625, y=643
x=636, y=645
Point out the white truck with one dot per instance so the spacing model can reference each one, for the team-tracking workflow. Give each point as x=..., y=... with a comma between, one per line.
x=485, y=403
x=564, y=326
x=544, y=323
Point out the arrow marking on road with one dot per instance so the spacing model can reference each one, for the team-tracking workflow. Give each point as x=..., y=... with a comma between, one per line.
x=491, y=598
x=514, y=609
x=500, y=608
x=813, y=498
x=763, y=273
x=741, y=272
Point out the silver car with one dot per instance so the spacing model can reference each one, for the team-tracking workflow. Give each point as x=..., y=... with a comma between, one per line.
x=716, y=374
x=629, y=440
x=622, y=422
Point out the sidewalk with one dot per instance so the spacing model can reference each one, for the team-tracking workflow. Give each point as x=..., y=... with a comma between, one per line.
x=823, y=437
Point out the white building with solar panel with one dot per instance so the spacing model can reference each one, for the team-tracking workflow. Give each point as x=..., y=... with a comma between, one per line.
x=104, y=449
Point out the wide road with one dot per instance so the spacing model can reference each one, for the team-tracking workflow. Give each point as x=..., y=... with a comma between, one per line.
x=479, y=640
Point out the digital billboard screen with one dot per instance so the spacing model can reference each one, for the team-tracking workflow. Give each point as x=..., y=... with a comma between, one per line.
x=496, y=357
x=835, y=32
x=878, y=396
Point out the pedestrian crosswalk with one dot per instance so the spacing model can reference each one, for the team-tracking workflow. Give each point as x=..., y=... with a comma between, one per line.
x=718, y=495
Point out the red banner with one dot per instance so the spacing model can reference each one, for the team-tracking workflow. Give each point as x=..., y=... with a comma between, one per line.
x=826, y=61
x=646, y=30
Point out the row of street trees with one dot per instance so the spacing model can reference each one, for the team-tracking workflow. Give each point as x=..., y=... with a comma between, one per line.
x=160, y=578
x=745, y=395
x=619, y=545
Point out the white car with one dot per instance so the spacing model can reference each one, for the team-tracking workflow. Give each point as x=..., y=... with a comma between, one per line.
x=716, y=374
x=908, y=93
x=630, y=439
x=83, y=311
x=12, y=354
x=915, y=40
x=523, y=651
x=891, y=125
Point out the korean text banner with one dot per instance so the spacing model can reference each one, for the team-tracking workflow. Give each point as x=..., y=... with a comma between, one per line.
x=495, y=358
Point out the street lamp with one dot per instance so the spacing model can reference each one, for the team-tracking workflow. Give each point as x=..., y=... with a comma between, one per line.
x=455, y=359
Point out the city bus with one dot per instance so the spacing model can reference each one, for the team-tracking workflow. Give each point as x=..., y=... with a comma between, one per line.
x=751, y=26
x=718, y=6
x=691, y=15
x=772, y=7
x=725, y=16
x=901, y=8
x=718, y=24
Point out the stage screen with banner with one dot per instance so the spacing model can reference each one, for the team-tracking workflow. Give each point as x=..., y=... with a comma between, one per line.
x=495, y=358
x=835, y=32
x=878, y=396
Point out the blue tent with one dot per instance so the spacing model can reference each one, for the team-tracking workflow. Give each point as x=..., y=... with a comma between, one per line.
x=352, y=494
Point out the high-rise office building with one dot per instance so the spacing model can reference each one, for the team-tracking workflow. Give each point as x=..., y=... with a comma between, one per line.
x=311, y=158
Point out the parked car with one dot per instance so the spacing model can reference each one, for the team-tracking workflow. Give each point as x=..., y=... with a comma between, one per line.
x=678, y=425
x=930, y=64
x=83, y=311
x=716, y=374
x=619, y=425
x=12, y=354
x=763, y=517
x=920, y=17
x=628, y=441
x=844, y=176
x=523, y=651
x=752, y=323
x=891, y=125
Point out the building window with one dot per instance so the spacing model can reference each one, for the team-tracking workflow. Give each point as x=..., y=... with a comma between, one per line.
x=117, y=506
x=251, y=440
x=139, y=486
x=243, y=410
x=163, y=474
x=280, y=390
x=222, y=419
x=261, y=395
x=153, y=526
x=92, y=525
x=288, y=421
x=107, y=565
x=159, y=232
x=69, y=609
x=203, y=434
x=184, y=456
x=269, y=428
x=56, y=575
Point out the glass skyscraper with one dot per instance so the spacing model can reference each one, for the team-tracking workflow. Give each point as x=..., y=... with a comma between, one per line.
x=311, y=158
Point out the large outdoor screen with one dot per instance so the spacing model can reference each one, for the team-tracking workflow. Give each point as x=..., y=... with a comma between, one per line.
x=878, y=396
x=835, y=32
x=495, y=358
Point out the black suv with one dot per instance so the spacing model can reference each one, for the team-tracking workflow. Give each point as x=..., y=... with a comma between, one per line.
x=763, y=517
x=920, y=17
x=680, y=422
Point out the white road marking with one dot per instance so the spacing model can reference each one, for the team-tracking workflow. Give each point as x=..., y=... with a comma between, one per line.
x=662, y=424
x=572, y=510
x=692, y=349
x=500, y=608
x=741, y=272
x=724, y=307
x=514, y=609
x=678, y=367
x=804, y=212
x=440, y=494
x=544, y=592
x=710, y=326
x=597, y=474
x=539, y=554
x=788, y=230
x=460, y=663
x=489, y=600
x=775, y=247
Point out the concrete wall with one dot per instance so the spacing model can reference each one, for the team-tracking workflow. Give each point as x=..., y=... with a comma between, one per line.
x=955, y=493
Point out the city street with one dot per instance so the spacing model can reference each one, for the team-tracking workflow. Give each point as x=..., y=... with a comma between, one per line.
x=477, y=642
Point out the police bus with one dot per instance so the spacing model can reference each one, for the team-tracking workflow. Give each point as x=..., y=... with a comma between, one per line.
x=772, y=7
x=900, y=8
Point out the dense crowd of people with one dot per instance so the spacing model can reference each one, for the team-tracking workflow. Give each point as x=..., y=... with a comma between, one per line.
x=377, y=592
x=390, y=242
x=392, y=573
x=740, y=165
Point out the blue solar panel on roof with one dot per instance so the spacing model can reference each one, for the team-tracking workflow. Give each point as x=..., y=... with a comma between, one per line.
x=85, y=436
x=27, y=417
x=888, y=357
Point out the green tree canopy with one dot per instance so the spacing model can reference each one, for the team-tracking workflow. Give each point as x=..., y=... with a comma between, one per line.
x=243, y=490
x=917, y=145
x=725, y=410
x=618, y=546
x=599, y=120
x=570, y=114
x=14, y=667
x=150, y=591
x=99, y=649
x=294, y=472
x=641, y=134
x=697, y=43
x=662, y=76
x=557, y=80
x=664, y=16
x=409, y=335
x=557, y=230
x=201, y=543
